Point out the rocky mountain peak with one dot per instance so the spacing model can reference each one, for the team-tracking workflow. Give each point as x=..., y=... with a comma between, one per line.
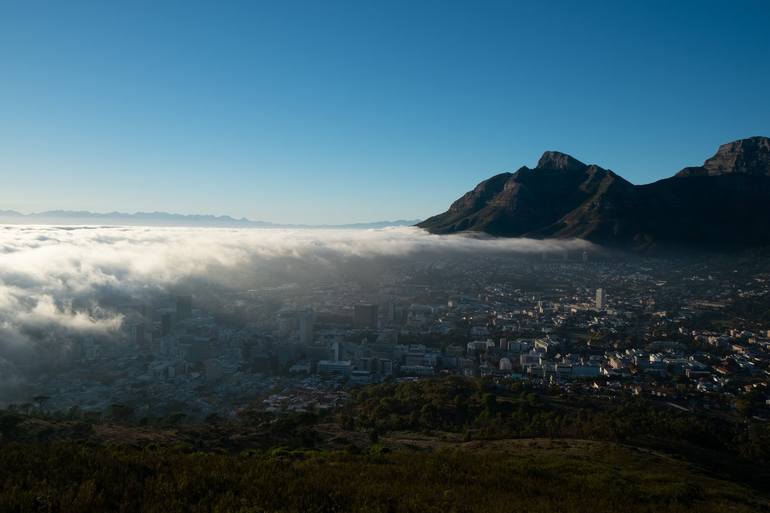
x=746, y=156
x=560, y=161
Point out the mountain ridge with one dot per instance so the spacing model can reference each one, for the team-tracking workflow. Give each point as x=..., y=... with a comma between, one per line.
x=157, y=218
x=725, y=203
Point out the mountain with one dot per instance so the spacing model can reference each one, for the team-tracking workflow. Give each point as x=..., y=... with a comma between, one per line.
x=724, y=204
x=748, y=156
x=83, y=217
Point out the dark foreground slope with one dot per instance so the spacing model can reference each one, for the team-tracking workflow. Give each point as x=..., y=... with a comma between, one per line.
x=445, y=444
x=724, y=204
x=523, y=475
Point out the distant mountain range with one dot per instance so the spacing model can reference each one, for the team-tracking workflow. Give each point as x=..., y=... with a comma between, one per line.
x=723, y=204
x=82, y=217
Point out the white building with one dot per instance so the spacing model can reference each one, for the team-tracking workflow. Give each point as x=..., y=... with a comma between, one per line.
x=601, y=299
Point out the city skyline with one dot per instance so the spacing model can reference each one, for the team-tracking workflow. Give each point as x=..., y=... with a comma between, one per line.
x=350, y=113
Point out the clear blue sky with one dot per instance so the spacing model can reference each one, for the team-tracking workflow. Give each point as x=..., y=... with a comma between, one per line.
x=356, y=111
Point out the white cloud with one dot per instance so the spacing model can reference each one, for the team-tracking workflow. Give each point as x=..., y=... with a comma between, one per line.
x=45, y=270
x=56, y=261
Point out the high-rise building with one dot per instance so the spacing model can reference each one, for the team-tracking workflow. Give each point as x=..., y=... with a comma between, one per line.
x=306, y=320
x=601, y=299
x=183, y=307
x=197, y=349
x=336, y=348
x=138, y=334
x=166, y=323
x=365, y=316
x=386, y=367
x=391, y=313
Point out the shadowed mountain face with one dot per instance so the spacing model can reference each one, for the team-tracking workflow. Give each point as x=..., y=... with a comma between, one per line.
x=724, y=204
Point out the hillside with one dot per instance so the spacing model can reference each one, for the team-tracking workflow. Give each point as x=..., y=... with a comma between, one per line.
x=446, y=444
x=523, y=475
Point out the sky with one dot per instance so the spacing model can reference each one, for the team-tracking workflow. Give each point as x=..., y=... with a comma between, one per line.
x=336, y=112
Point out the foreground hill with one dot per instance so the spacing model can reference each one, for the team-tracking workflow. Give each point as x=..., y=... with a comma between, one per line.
x=522, y=475
x=444, y=444
x=724, y=204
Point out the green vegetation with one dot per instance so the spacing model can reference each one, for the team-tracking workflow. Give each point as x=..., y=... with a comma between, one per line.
x=482, y=409
x=446, y=444
x=536, y=476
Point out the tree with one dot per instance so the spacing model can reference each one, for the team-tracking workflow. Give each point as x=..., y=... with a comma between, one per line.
x=120, y=412
x=40, y=400
x=8, y=423
x=744, y=407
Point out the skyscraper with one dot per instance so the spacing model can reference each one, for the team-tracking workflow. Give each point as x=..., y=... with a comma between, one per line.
x=365, y=316
x=183, y=307
x=166, y=323
x=305, y=328
x=600, y=299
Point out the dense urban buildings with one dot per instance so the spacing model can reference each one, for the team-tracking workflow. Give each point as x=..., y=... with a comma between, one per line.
x=691, y=333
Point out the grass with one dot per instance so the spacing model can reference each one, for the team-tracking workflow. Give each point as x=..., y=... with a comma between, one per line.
x=534, y=475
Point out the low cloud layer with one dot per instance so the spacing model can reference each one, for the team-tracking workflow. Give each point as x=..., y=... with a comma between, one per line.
x=53, y=279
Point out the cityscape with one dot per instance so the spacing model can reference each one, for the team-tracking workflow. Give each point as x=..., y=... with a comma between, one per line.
x=676, y=330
